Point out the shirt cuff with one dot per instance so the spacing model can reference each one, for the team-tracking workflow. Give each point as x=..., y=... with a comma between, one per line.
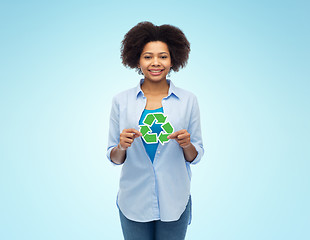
x=200, y=152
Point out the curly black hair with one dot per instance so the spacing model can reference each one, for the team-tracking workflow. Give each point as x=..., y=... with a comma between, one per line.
x=144, y=32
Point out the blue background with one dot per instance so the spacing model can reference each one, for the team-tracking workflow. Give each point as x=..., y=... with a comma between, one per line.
x=60, y=67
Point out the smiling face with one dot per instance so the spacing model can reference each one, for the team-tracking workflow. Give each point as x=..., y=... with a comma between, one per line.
x=155, y=61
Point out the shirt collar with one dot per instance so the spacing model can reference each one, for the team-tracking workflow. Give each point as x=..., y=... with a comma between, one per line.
x=172, y=89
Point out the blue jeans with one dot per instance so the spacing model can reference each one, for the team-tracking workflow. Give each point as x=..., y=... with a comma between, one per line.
x=156, y=230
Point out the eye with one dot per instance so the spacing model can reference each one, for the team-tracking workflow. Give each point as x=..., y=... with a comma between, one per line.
x=147, y=57
x=164, y=57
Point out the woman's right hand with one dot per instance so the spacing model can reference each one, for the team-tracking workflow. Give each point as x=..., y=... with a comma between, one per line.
x=127, y=137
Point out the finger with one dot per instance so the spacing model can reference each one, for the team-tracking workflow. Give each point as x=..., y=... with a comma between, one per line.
x=183, y=136
x=185, y=141
x=136, y=132
x=131, y=135
x=128, y=140
x=125, y=145
x=137, y=135
x=185, y=145
x=174, y=135
x=128, y=135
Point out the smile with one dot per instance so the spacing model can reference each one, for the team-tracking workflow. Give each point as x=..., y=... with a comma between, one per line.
x=156, y=71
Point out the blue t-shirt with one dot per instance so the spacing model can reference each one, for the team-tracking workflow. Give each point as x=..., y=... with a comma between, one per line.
x=156, y=128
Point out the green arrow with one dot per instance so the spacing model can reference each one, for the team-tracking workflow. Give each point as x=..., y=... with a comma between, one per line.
x=163, y=137
x=160, y=117
x=144, y=129
x=150, y=138
x=149, y=119
x=167, y=127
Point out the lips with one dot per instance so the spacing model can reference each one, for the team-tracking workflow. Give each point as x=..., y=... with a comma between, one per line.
x=156, y=70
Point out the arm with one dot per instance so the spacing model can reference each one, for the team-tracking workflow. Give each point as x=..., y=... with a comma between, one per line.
x=191, y=140
x=119, y=142
x=118, y=153
x=190, y=153
x=184, y=140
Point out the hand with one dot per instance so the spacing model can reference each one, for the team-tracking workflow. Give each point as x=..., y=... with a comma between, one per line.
x=127, y=137
x=182, y=137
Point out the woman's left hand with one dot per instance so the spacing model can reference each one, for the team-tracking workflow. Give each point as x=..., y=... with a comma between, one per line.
x=182, y=137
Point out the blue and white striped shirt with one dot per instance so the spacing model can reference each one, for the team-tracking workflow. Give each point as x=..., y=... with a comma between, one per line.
x=159, y=190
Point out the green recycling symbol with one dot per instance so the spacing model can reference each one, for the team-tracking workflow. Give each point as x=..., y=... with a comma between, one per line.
x=152, y=137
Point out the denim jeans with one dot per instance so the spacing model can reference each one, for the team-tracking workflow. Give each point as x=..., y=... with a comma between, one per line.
x=156, y=230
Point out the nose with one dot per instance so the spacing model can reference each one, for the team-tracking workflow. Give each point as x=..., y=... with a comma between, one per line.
x=155, y=61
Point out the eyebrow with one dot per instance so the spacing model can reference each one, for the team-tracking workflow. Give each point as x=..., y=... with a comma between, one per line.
x=152, y=53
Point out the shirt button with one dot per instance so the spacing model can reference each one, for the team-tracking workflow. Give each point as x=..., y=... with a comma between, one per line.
x=158, y=152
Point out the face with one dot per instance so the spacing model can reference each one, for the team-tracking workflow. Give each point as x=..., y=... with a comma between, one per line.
x=155, y=61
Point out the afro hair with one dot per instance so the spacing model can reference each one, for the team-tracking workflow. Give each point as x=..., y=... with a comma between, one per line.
x=144, y=32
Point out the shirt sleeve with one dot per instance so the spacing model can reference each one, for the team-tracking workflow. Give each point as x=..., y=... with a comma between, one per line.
x=195, y=131
x=114, y=133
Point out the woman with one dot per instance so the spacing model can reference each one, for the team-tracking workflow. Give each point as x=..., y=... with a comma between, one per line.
x=154, y=199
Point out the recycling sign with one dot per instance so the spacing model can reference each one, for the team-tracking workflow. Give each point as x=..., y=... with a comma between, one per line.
x=147, y=134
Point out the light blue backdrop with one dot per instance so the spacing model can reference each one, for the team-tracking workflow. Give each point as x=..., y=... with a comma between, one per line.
x=60, y=67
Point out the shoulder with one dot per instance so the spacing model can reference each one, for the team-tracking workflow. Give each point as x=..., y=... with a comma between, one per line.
x=181, y=92
x=124, y=95
x=185, y=95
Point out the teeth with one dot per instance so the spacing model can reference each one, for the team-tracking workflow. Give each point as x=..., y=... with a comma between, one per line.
x=155, y=71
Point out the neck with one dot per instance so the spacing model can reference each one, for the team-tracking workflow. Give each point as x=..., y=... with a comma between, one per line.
x=155, y=87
